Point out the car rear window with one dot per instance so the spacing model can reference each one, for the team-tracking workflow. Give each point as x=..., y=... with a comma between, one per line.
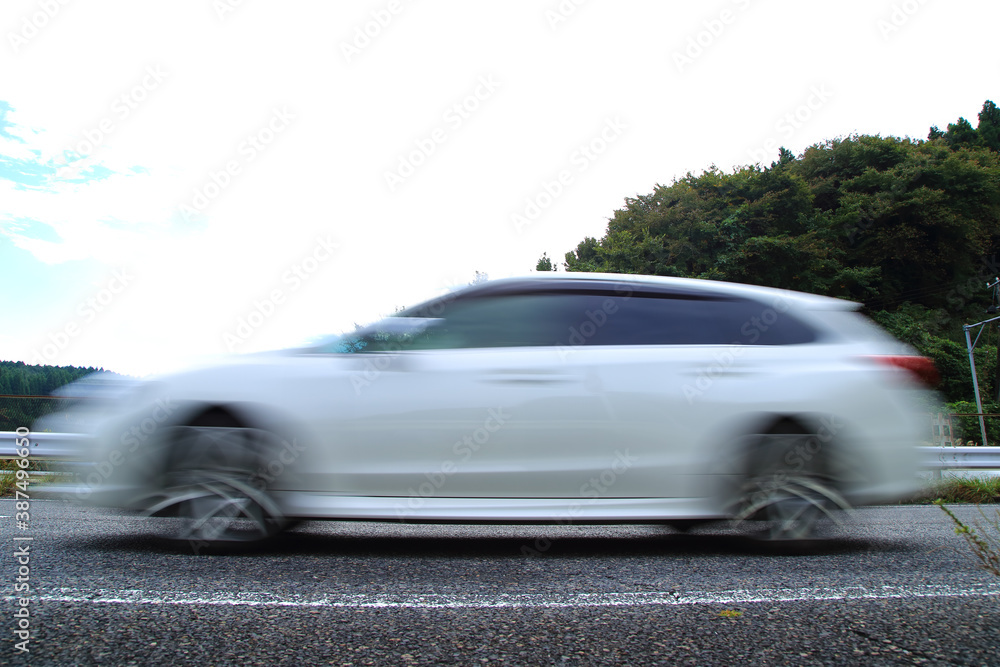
x=670, y=320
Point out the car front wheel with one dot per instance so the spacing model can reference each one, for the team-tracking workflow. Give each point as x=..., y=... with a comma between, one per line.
x=214, y=483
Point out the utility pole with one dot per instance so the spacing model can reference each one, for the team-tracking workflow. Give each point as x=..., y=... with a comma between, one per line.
x=975, y=383
x=971, y=346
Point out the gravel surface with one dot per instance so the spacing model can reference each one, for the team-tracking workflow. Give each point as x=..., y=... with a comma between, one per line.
x=106, y=590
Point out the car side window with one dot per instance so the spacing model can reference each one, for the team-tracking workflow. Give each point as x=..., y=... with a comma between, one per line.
x=510, y=320
x=513, y=320
x=657, y=319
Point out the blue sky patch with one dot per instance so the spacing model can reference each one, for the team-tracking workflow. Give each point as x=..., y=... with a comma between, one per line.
x=96, y=172
x=6, y=108
x=36, y=173
x=32, y=229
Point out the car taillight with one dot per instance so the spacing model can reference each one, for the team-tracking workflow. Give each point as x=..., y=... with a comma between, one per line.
x=921, y=367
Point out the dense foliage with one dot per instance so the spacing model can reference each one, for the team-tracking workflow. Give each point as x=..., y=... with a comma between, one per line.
x=909, y=227
x=20, y=379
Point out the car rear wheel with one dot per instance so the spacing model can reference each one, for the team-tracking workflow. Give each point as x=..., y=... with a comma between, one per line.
x=215, y=483
x=790, y=482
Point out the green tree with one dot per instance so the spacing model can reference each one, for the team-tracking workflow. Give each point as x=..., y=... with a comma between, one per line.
x=18, y=379
x=961, y=134
x=988, y=130
x=544, y=263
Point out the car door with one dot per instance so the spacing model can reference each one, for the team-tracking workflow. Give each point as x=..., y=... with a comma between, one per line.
x=477, y=403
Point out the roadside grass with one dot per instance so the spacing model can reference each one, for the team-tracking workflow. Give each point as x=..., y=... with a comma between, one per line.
x=8, y=475
x=959, y=490
x=984, y=541
x=982, y=537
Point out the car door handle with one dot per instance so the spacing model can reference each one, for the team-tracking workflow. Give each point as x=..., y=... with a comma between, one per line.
x=715, y=371
x=526, y=377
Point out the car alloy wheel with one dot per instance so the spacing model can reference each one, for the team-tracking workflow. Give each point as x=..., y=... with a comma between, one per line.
x=790, y=482
x=215, y=483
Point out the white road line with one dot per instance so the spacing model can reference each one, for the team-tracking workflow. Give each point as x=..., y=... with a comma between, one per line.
x=502, y=600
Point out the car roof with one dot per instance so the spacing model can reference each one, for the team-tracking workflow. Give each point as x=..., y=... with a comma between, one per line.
x=623, y=283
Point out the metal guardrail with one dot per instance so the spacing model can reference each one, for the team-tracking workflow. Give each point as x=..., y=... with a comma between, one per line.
x=65, y=446
x=960, y=458
x=44, y=446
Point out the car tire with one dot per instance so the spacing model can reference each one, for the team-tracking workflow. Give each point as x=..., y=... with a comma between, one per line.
x=790, y=482
x=214, y=483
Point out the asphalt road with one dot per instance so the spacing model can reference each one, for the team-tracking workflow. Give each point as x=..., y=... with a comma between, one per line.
x=897, y=587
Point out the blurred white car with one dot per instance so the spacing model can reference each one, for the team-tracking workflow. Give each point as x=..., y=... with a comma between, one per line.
x=553, y=398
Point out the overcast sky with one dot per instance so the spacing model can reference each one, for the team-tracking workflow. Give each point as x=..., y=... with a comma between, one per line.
x=186, y=179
